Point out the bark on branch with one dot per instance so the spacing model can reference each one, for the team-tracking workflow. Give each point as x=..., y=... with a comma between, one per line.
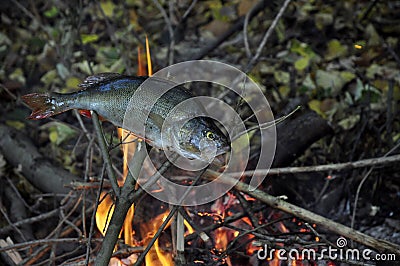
x=19, y=150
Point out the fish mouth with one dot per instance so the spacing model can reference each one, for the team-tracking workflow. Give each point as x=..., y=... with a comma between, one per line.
x=205, y=152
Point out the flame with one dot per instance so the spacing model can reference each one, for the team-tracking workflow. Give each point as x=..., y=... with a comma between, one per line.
x=104, y=212
x=156, y=255
x=190, y=229
x=128, y=149
x=141, y=71
x=149, y=66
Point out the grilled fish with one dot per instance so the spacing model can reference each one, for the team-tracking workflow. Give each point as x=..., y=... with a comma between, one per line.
x=109, y=95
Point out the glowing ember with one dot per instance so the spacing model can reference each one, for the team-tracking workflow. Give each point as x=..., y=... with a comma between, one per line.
x=283, y=228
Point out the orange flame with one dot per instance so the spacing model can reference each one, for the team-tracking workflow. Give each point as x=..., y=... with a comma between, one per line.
x=149, y=66
x=104, y=212
x=156, y=255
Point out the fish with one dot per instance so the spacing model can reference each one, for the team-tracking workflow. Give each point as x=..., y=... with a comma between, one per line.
x=110, y=94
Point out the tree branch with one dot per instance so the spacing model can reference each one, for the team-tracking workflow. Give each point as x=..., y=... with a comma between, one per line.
x=277, y=203
x=122, y=204
x=105, y=154
x=19, y=151
x=324, y=167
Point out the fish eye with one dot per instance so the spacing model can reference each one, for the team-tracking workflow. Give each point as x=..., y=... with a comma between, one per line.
x=210, y=135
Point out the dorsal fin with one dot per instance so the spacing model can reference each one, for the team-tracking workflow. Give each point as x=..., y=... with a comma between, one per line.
x=98, y=79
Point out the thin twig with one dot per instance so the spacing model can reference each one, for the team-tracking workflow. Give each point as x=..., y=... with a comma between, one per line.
x=245, y=36
x=353, y=218
x=4, y=213
x=324, y=167
x=105, y=154
x=170, y=31
x=31, y=220
x=65, y=217
x=47, y=241
x=187, y=12
x=264, y=40
x=266, y=125
x=92, y=221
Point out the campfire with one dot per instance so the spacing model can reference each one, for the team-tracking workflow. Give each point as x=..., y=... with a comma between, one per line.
x=310, y=177
x=228, y=243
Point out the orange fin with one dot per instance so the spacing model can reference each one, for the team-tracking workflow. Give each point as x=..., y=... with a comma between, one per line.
x=88, y=114
x=85, y=113
x=42, y=106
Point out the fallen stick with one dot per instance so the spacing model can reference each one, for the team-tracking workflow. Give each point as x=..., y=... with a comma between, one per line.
x=325, y=167
x=19, y=151
x=277, y=203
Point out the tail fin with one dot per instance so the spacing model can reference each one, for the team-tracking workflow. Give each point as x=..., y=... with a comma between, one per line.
x=42, y=106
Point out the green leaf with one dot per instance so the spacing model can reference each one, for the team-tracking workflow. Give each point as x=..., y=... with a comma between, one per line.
x=347, y=76
x=284, y=90
x=73, y=82
x=329, y=81
x=362, y=91
x=62, y=71
x=108, y=8
x=280, y=31
x=15, y=124
x=282, y=77
x=52, y=12
x=373, y=36
x=374, y=69
x=335, y=50
x=18, y=75
x=301, y=63
x=315, y=105
x=53, y=136
x=308, y=83
x=349, y=122
x=59, y=132
x=306, y=53
x=88, y=38
x=302, y=49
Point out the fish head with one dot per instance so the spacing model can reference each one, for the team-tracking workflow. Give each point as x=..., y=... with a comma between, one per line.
x=200, y=138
